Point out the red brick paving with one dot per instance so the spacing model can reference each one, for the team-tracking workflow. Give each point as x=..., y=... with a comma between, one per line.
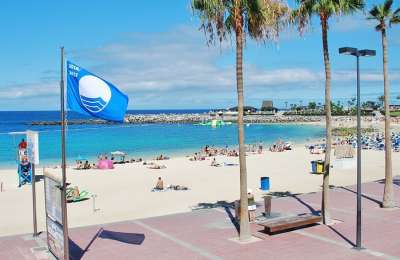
x=207, y=234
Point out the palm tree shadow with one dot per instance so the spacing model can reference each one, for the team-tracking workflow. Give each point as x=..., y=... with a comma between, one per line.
x=362, y=195
x=295, y=196
x=227, y=206
x=396, y=181
x=232, y=218
x=309, y=207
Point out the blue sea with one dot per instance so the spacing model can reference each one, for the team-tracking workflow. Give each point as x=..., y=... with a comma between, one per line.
x=139, y=140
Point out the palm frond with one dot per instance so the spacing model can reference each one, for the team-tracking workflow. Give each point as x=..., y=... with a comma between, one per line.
x=374, y=13
x=395, y=17
x=384, y=15
x=348, y=6
x=323, y=8
x=302, y=15
x=260, y=19
x=212, y=16
x=397, y=12
x=394, y=20
x=387, y=7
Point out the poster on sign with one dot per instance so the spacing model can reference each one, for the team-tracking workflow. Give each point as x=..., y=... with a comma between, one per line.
x=53, y=199
x=55, y=238
x=54, y=220
x=33, y=146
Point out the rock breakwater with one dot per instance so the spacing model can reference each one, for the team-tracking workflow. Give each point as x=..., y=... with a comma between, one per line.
x=186, y=118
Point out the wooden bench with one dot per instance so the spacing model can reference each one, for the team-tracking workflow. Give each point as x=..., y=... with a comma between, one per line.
x=290, y=222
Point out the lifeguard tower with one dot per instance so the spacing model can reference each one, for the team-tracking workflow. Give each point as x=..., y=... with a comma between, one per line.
x=23, y=158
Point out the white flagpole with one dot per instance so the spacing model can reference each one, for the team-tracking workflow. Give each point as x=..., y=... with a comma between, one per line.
x=63, y=162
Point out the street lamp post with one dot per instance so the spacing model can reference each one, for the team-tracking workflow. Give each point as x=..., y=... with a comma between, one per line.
x=358, y=53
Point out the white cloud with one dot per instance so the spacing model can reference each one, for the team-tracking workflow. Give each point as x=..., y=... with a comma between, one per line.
x=156, y=68
x=21, y=91
x=352, y=23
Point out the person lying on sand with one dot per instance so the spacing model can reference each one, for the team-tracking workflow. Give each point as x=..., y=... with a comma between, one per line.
x=157, y=167
x=214, y=163
x=148, y=163
x=135, y=160
x=177, y=187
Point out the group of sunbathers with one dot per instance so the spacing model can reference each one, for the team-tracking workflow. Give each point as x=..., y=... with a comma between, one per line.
x=210, y=151
x=162, y=157
x=280, y=146
x=255, y=148
x=80, y=165
x=154, y=166
x=316, y=148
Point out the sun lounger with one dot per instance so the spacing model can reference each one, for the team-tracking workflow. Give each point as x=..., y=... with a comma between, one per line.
x=157, y=167
x=158, y=190
x=72, y=197
x=230, y=164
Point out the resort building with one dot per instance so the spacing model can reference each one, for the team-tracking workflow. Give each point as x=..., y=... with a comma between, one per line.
x=267, y=108
x=247, y=110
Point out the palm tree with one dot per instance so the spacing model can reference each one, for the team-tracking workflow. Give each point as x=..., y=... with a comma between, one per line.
x=325, y=9
x=385, y=17
x=261, y=20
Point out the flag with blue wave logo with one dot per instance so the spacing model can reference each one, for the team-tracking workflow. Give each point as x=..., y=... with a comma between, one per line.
x=90, y=95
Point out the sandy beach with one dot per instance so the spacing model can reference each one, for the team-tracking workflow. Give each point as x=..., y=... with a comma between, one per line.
x=124, y=193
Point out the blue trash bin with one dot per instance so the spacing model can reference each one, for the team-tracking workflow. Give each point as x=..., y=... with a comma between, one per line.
x=264, y=183
x=313, y=166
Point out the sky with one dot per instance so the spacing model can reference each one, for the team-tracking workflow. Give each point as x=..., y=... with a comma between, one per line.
x=155, y=53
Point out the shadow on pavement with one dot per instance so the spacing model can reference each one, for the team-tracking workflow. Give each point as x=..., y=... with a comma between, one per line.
x=227, y=206
x=76, y=252
x=396, y=181
x=362, y=195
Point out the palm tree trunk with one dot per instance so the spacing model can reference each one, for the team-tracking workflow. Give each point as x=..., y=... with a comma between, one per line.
x=328, y=119
x=244, y=233
x=388, y=200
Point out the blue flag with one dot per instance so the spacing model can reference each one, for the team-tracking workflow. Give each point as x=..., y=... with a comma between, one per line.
x=90, y=95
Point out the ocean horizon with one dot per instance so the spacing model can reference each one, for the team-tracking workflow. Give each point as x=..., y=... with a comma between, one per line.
x=137, y=140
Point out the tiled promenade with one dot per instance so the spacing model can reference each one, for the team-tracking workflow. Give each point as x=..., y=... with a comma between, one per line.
x=209, y=234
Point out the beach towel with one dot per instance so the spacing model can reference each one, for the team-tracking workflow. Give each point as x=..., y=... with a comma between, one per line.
x=230, y=164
